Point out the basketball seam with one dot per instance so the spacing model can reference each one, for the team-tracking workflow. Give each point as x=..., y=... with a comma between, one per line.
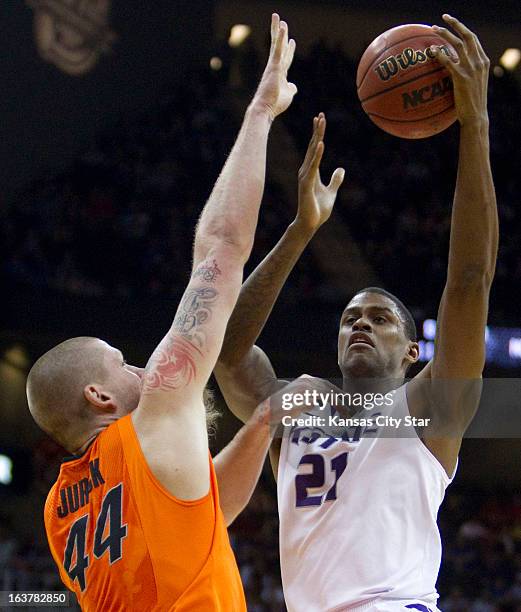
x=388, y=47
x=411, y=120
x=416, y=78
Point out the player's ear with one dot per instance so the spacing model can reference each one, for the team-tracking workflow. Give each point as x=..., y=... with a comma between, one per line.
x=99, y=398
x=413, y=352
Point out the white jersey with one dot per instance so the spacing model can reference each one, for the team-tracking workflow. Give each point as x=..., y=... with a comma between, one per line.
x=358, y=517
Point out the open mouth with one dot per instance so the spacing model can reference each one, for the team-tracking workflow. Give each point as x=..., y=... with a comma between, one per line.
x=359, y=339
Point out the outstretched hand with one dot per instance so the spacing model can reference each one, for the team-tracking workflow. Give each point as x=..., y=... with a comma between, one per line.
x=469, y=71
x=275, y=93
x=316, y=200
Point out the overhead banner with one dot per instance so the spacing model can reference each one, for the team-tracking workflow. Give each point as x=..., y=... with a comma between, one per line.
x=72, y=34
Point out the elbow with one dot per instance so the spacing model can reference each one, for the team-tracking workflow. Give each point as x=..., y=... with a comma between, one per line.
x=224, y=239
x=224, y=365
x=229, y=517
x=236, y=358
x=473, y=278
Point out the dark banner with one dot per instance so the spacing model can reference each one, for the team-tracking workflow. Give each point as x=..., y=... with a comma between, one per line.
x=69, y=67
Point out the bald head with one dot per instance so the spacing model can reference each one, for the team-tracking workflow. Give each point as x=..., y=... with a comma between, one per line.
x=55, y=388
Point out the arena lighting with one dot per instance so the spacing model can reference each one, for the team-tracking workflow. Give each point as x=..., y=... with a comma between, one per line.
x=6, y=470
x=16, y=356
x=503, y=344
x=238, y=34
x=429, y=329
x=498, y=71
x=216, y=63
x=510, y=58
x=514, y=348
x=426, y=350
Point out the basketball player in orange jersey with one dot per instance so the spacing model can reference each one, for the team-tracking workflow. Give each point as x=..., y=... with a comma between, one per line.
x=358, y=511
x=134, y=520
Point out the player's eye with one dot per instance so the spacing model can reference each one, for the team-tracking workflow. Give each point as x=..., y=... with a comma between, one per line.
x=380, y=319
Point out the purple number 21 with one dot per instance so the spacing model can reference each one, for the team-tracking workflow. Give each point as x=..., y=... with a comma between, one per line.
x=317, y=478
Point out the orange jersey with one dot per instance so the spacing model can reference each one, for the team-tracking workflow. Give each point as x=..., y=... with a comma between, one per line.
x=123, y=542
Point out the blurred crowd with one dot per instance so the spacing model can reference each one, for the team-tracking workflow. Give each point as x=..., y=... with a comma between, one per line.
x=120, y=221
x=121, y=218
x=481, y=532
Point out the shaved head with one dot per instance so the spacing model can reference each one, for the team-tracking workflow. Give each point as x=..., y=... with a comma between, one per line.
x=83, y=385
x=55, y=388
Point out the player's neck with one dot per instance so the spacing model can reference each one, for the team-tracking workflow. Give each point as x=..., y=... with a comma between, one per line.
x=370, y=385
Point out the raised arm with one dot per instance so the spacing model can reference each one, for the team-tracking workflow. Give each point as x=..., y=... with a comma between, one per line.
x=170, y=419
x=243, y=371
x=459, y=355
x=239, y=464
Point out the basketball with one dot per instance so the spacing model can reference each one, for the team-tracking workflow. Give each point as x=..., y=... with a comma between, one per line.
x=401, y=85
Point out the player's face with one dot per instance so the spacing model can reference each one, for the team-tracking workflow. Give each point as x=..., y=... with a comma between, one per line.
x=123, y=380
x=371, y=341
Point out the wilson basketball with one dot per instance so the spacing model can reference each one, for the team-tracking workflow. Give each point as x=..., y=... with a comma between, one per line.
x=403, y=88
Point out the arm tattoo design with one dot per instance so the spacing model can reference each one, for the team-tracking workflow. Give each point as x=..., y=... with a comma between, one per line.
x=194, y=310
x=209, y=272
x=171, y=367
x=173, y=364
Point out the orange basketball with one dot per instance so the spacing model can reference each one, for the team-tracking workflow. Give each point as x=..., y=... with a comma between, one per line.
x=403, y=88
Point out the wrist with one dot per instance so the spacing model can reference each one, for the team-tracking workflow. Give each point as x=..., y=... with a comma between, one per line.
x=262, y=421
x=302, y=229
x=475, y=122
x=260, y=110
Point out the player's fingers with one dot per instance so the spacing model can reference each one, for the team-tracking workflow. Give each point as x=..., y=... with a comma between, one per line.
x=321, y=126
x=458, y=26
x=483, y=56
x=310, y=150
x=275, y=20
x=315, y=136
x=470, y=37
x=456, y=42
x=449, y=62
x=336, y=180
x=317, y=157
x=290, y=52
x=481, y=52
x=279, y=45
x=463, y=32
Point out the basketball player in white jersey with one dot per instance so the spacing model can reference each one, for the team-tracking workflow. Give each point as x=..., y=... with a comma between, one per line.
x=358, y=514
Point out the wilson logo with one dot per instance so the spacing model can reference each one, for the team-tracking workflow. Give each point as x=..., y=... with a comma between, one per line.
x=412, y=99
x=409, y=57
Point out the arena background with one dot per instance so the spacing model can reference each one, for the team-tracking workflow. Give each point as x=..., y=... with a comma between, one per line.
x=103, y=175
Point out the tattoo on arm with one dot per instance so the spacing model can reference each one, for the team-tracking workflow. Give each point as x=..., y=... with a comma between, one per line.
x=173, y=363
x=209, y=272
x=194, y=310
x=172, y=366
